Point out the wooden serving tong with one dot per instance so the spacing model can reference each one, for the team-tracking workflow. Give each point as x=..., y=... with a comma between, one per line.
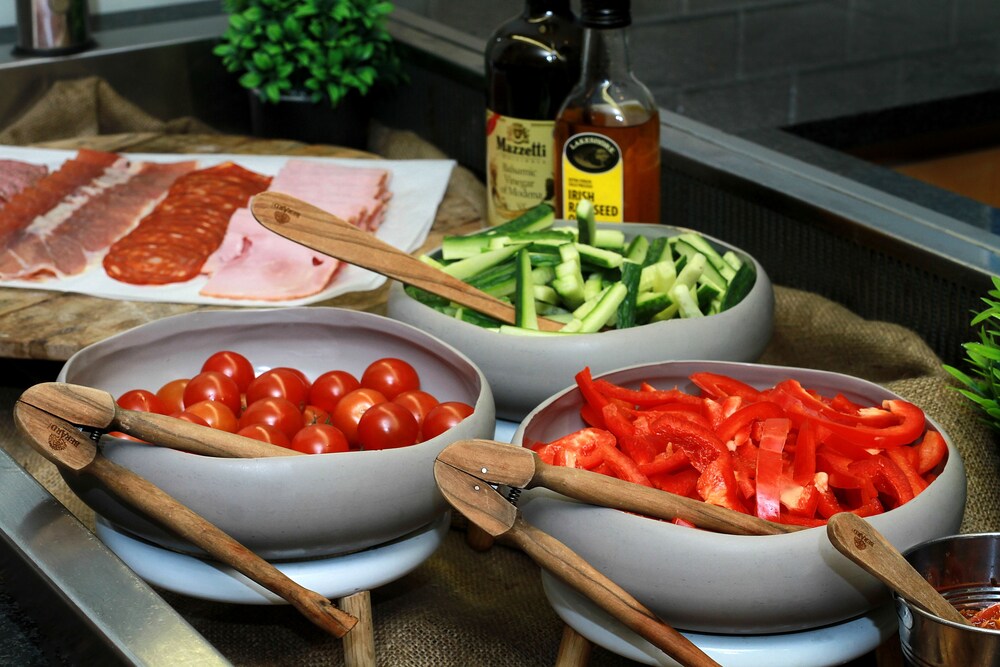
x=50, y=415
x=466, y=473
x=326, y=233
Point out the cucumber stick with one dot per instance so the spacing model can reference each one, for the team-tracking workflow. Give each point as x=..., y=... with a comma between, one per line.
x=590, y=278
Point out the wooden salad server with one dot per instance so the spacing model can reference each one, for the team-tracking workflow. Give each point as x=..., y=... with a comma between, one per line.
x=486, y=508
x=65, y=445
x=96, y=409
x=521, y=468
x=858, y=540
x=326, y=233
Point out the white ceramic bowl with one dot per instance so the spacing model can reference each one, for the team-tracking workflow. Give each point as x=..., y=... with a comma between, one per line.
x=708, y=582
x=525, y=370
x=288, y=507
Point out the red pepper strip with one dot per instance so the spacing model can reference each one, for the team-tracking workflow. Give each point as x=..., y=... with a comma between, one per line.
x=845, y=446
x=591, y=396
x=683, y=483
x=827, y=504
x=870, y=508
x=835, y=466
x=713, y=412
x=665, y=463
x=581, y=449
x=644, y=399
x=717, y=484
x=931, y=450
x=886, y=477
x=621, y=466
x=769, y=461
x=690, y=412
x=591, y=416
x=682, y=522
x=792, y=396
x=701, y=445
x=800, y=500
x=900, y=456
x=790, y=519
x=634, y=437
x=744, y=416
x=731, y=404
x=716, y=385
x=911, y=425
x=745, y=470
x=804, y=457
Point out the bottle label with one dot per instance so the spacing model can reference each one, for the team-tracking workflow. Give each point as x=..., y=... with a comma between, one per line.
x=592, y=168
x=519, y=166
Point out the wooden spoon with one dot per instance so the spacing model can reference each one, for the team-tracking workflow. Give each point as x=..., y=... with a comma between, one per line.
x=326, y=233
x=522, y=468
x=68, y=447
x=89, y=407
x=486, y=508
x=858, y=540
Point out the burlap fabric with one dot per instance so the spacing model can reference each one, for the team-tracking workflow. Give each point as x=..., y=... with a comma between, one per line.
x=463, y=607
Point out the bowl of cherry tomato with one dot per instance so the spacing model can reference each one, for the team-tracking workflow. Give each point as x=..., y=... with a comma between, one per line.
x=367, y=402
x=790, y=445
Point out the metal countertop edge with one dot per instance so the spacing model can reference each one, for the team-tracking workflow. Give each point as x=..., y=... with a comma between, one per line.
x=122, y=610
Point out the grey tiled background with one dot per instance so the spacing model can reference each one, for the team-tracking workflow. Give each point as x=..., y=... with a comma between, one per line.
x=746, y=64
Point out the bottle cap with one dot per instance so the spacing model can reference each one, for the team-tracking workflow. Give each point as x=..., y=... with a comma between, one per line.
x=605, y=13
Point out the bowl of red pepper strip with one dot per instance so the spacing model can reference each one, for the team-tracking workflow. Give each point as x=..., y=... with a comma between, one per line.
x=787, y=444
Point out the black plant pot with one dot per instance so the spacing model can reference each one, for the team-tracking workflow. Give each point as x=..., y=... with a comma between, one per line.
x=296, y=117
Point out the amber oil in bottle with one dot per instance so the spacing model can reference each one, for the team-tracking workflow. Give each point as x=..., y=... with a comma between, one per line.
x=608, y=129
x=532, y=62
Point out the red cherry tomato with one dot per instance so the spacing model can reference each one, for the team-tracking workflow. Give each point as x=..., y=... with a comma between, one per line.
x=273, y=411
x=281, y=383
x=143, y=400
x=215, y=413
x=443, y=417
x=213, y=386
x=191, y=417
x=265, y=433
x=315, y=415
x=172, y=393
x=233, y=364
x=330, y=387
x=390, y=376
x=418, y=402
x=320, y=439
x=295, y=371
x=350, y=409
x=387, y=426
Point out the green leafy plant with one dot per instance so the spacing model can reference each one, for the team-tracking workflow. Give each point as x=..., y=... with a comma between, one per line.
x=322, y=48
x=982, y=382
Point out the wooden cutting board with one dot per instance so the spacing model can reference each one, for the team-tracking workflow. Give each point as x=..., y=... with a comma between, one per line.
x=52, y=326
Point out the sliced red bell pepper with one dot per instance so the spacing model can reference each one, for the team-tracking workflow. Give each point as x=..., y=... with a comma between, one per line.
x=665, y=462
x=931, y=451
x=902, y=458
x=581, y=449
x=886, y=476
x=700, y=444
x=799, y=499
x=633, y=433
x=909, y=428
x=791, y=395
x=717, y=484
x=769, y=464
x=716, y=385
x=643, y=398
x=591, y=397
x=743, y=417
x=804, y=456
x=682, y=483
x=827, y=504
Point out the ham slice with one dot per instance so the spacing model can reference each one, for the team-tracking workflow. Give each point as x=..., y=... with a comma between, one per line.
x=355, y=194
x=255, y=263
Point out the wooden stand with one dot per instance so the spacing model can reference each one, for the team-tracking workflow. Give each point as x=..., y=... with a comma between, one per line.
x=574, y=649
x=359, y=643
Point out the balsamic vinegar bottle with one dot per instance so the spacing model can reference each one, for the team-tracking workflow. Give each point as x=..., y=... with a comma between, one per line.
x=532, y=62
x=608, y=129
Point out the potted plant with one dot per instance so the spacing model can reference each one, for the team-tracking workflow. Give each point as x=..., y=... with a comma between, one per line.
x=310, y=64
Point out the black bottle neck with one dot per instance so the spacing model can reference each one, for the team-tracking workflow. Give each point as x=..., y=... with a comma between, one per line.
x=540, y=8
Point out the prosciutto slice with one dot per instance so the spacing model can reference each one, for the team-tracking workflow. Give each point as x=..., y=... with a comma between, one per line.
x=16, y=176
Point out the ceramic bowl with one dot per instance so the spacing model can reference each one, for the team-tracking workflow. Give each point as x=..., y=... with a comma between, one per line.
x=714, y=583
x=525, y=370
x=287, y=507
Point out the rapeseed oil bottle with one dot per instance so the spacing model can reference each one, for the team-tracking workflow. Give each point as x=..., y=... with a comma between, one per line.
x=608, y=129
x=532, y=62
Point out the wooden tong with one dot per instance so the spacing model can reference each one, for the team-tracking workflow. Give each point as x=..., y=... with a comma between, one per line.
x=46, y=415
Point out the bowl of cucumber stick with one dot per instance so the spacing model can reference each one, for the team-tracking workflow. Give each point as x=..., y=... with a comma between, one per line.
x=626, y=294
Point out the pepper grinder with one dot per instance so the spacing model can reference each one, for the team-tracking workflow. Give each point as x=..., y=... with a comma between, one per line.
x=52, y=27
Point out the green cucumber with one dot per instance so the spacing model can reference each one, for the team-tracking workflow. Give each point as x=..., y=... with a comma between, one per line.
x=586, y=224
x=739, y=286
x=534, y=219
x=631, y=273
x=470, y=266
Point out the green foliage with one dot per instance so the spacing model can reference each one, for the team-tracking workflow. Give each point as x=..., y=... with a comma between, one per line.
x=981, y=384
x=325, y=48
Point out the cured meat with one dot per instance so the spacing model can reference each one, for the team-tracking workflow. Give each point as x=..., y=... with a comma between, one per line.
x=63, y=240
x=262, y=265
x=65, y=185
x=356, y=194
x=16, y=176
x=172, y=243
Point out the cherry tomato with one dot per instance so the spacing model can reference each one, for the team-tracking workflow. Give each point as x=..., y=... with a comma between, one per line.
x=314, y=415
x=213, y=386
x=274, y=411
x=265, y=433
x=172, y=393
x=443, y=417
x=143, y=400
x=330, y=387
x=233, y=364
x=351, y=407
x=191, y=417
x=320, y=439
x=215, y=413
x=295, y=371
x=387, y=426
x=390, y=376
x=418, y=402
x=281, y=383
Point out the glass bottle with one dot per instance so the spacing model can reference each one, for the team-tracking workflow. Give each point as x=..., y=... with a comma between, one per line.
x=532, y=62
x=608, y=129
